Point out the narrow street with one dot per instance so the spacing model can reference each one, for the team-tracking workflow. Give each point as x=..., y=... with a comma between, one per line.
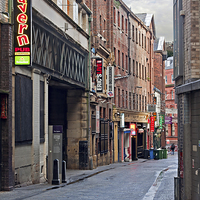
x=146, y=180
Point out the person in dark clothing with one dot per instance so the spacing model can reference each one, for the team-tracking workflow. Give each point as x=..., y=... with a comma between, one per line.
x=172, y=148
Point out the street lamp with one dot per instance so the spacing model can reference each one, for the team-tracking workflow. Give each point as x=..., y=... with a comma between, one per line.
x=5, y=14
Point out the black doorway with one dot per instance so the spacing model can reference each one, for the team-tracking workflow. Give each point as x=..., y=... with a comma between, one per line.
x=133, y=140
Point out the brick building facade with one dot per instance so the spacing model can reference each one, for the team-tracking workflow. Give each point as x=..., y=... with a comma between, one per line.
x=186, y=74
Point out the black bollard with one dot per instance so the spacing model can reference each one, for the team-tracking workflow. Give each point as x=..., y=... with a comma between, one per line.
x=64, y=178
x=56, y=180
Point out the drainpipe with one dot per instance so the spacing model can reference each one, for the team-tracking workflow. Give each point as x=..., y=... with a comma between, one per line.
x=129, y=38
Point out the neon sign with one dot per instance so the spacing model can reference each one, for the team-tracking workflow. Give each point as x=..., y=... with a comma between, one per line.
x=99, y=75
x=22, y=36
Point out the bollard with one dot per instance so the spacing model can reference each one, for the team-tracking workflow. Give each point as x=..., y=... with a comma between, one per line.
x=56, y=180
x=64, y=178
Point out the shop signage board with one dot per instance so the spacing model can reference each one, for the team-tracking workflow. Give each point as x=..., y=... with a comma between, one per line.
x=133, y=129
x=168, y=120
x=110, y=81
x=161, y=120
x=22, y=32
x=152, y=124
x=155, y=116
x=99, y=64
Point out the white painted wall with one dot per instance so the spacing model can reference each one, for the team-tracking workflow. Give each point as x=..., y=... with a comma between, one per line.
x=60, y=21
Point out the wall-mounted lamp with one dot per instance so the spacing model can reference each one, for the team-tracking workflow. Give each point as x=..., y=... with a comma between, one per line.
x=117, y=114
x=5, y=14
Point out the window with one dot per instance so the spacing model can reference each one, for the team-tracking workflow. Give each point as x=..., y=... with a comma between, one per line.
x=114, y=15
x=172, y=78
x=136, y=68
x=142, y=41
x=167, y=130
x=140, y=70
x=133, y=101
x=122, y=22
x=115, y=54
x=130, y=100
x=136, y=32
x=126, y=63
x=122, y=60
x=173, y=130
x=133, y=33
x=165, y=79
x=126, y=99
x=139, y=39
x=104, y=28
x=23, y=109
x=118, y=19
x=140, y=102
x=122, y=98
x=145, y=45
x=133, y=67
x=118, y=57
x=126, y=24
x=172, y=95
x=100, y=25
x=136, y=106
x=119, y=97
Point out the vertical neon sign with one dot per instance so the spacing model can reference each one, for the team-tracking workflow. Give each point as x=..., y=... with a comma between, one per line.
x=22, y=32
x=99, y=75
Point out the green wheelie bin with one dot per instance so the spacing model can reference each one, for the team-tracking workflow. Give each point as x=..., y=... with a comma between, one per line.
x=165, y=153
x=156, y=154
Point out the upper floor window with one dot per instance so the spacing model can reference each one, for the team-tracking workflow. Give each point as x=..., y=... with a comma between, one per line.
x=126, y=26
x=172, y=78
x=133, y=32
x=136, y=32
x=122, y=22
x=172, y=94
x=118, y=57
x=122, y=60
x=118, y=18
x=165, y=79
x=114, y=15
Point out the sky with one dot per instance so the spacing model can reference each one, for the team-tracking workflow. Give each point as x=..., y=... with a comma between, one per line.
x=163, y=14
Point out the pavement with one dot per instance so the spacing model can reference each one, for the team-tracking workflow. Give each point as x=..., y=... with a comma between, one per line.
x=73, y=176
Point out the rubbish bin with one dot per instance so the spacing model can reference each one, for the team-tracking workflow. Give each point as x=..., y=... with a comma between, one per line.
x=160, y=153
x=146, y=154
x=165, y=153
x=156, y=154
x=151, y=153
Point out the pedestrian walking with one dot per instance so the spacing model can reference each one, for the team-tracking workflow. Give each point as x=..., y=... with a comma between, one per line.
x=172, y=148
